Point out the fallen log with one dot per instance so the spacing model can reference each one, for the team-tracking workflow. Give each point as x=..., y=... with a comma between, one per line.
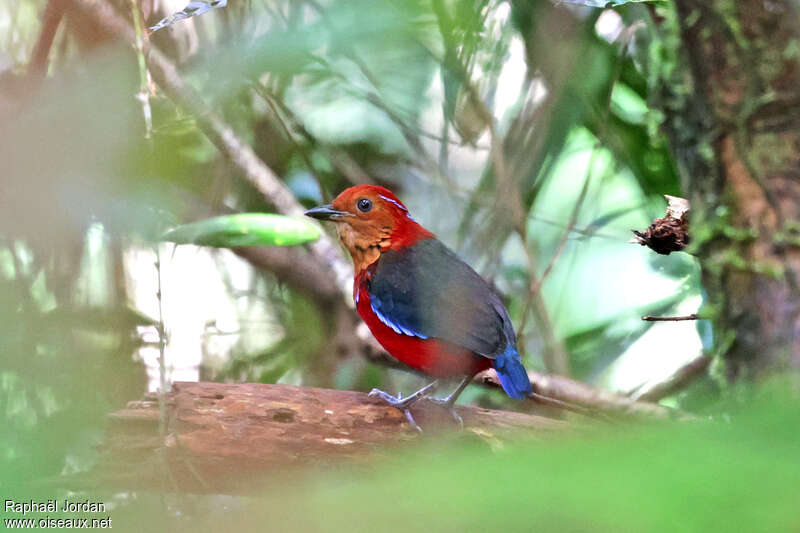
x=230, y=438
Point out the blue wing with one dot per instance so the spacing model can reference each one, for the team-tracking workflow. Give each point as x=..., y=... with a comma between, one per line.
x=426, y=291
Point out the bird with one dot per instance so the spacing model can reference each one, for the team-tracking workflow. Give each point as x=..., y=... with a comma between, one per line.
x=422, y=303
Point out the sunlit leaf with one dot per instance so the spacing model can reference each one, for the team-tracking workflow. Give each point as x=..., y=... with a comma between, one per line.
x=245, y=229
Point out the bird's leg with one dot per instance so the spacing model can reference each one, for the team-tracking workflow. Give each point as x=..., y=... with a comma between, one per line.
x=449, y=401
x=405, y=403
x=400, y=402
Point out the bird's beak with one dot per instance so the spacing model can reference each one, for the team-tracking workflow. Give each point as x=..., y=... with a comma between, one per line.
x=326, y=212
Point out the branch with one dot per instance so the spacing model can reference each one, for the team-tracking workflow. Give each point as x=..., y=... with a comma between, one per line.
x=53, y=13
x=586, y=397
x=648, y=318
x=296, y=267
x=653, y=392
x=225, y=438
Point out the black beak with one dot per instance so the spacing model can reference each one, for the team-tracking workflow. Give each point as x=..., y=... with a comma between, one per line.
x=326, y=212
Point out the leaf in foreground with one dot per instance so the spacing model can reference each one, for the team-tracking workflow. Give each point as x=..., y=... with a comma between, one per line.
x=245, y=229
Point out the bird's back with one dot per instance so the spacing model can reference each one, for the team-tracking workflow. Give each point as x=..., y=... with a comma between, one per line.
x=428, y=291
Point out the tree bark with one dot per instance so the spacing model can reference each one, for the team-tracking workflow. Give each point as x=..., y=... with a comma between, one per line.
x=226, y=438
x=736, y=135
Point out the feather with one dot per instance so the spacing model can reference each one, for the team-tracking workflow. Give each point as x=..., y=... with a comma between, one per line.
x=425, y=290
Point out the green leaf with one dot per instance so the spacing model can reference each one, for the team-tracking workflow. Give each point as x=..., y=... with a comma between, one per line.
x=245, y=229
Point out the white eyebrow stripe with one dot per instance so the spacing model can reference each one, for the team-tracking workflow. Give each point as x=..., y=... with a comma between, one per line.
x=398, y=204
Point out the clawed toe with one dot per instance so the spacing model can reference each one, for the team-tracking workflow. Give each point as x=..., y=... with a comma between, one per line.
x=457, y=418
x=395, y=401
x=447, y=404
x=411, y=420
x=404, y=403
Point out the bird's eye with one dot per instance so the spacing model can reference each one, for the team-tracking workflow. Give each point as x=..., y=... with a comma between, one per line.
x=364, y=204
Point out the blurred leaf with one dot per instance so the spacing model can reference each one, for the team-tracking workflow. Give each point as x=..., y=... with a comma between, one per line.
x=576, y=101
x=593, y=349
x=632, y=145
x=179, y=126
x=191, y=10
x=688, y=477
x=609, y=3
x=383, y=32
x=245, y=229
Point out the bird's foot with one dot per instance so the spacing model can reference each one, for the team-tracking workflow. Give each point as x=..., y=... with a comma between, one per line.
x=404, y=404
x=400, y=403
x=394, y=401
x=448, y=404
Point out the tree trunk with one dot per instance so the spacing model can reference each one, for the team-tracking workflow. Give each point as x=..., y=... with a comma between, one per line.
x=736, y=134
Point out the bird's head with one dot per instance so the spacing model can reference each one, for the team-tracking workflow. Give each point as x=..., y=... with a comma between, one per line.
x=370, y=220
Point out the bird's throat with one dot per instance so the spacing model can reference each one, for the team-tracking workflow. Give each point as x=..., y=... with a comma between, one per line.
x=364, y=248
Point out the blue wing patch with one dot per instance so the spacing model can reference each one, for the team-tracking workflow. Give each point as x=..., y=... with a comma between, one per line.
x=399, y=329
x=425, y=291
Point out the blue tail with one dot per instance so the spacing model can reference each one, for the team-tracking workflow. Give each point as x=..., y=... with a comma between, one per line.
x=513, y=375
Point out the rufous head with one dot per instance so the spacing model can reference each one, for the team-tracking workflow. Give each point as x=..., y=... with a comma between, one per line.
x=369, y=220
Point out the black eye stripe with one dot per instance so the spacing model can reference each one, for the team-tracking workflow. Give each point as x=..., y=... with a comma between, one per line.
x=364, y=204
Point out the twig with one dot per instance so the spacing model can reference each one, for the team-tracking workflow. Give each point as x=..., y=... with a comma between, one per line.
x=653, y=392
x=395, y=117
x=507, y=192
x=536, y=284
x=340, y=159
x=575, y=393
x=588, y=231
x=268, y=98
x=144, y=92
x=566, y=406
x=648, y=318
x=162, y=343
